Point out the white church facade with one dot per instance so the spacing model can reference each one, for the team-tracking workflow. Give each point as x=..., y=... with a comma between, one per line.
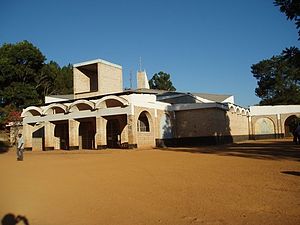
x=100, y=114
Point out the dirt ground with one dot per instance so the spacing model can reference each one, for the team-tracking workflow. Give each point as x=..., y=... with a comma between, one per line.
x=254, y=182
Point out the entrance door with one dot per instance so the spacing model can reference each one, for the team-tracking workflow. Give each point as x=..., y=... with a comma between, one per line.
x=113, y=133
x=87, y=134
x=61, y=131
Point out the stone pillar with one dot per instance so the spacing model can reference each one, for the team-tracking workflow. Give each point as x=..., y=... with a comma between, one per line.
x=100, y=136
x=155, y=125
x=132, y=131
x=49, y=135
x=250, y=128
x=124, y=136
x=73, y=134
x=27, y=136
x=279, y=127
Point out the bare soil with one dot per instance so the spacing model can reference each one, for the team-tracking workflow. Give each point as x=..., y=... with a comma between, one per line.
x=254, y=182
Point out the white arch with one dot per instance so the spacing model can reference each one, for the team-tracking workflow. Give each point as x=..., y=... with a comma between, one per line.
x=149, y=118
x=243, y=112
x=232, y=109
x=123, y=101
x=32, y=111
x=264, y=125
x=74, y=106
x=55, y=105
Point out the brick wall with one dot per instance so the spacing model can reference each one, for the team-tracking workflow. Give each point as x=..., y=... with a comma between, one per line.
x=81, y=82
x=202, y=122
x=110, y=79
x=238, y=123
x=146, y=139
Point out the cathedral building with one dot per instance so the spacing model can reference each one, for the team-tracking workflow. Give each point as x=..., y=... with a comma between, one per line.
x=100, y=115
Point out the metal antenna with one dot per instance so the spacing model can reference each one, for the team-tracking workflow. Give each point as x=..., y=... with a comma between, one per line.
x=130, y=79
x=140, y=64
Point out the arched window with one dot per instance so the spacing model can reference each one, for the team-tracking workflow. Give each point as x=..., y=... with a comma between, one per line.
x=143, y=123
x=264, y=126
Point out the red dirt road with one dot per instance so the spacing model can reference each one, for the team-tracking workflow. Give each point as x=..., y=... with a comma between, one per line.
x=247, y=183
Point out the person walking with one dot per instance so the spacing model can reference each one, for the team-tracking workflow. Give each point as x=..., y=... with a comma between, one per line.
x=20, y=148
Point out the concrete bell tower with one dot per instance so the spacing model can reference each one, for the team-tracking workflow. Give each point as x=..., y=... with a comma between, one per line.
x=96, y=77
x=142, y=80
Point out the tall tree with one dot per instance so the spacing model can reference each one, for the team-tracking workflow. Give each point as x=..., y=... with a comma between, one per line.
x=161, y=81
x=25, y=78
x=279, y=78
x=20, y=69
x=55, y=80
x=64, y=81
x=45, y=82
x=291, y=8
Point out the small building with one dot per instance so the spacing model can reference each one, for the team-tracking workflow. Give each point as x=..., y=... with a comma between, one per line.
x=100, y=114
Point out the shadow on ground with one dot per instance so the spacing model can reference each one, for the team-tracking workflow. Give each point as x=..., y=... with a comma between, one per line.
x=294, y=173
x=271, y=149
x=11, y=219
x=4, y=147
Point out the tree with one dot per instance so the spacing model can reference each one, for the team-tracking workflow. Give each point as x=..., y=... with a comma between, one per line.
x=20, y=69
x=279, y=78
x=25, y=78
x=5, y=114
x=45, y=82
x=64, y=81
x=161, y=81
x=291, y=8
x=55, y=80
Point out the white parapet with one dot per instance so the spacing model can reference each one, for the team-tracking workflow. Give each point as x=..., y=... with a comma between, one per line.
x=58, y=98
x=273, y=110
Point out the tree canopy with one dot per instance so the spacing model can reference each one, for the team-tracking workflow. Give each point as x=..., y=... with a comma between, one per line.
x=25, y=77
x=291, y=8
x=20, y=67
x=279, y=78
x=161, y=81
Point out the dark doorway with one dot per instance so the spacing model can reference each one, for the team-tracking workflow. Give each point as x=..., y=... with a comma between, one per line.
x=113, y=133
x=61, y=131
x=87, y=131
x=290, y=125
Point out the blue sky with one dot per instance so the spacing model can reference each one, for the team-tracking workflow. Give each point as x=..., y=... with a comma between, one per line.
x=206, y=46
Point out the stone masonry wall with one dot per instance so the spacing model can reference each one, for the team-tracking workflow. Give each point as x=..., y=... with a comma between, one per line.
x=110, y=79
x=146, y=139
x=238, y=124
x=81, y=81
x=202, y=122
